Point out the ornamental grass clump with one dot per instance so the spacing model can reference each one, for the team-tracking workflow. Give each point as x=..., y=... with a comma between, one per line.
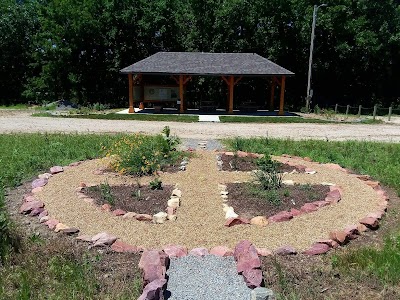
x=140, y=155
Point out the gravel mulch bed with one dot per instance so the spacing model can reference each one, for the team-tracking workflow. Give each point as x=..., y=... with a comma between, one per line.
x=249, y=164
x=201, y=219
x=247, y=203
x=142, y=200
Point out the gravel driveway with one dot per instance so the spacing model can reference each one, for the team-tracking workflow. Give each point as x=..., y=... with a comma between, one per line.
x=21, y=121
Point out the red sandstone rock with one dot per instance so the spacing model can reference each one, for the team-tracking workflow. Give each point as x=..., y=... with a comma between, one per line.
x=52, y=223
x=352, y=232
x=122, y=247
x=330, y=243
x=39, y=183
x=199, y=252
x=144, y=217
x=171, y=211
x=37, y=190
x=103, y=239
x=221, y=251
x=118, y=212
x=84, y=238
x=309, y=207
x=29, y=198
x=281, y=217
x=252, y=277
x=317, y=249
x=236, y=221
x=105, y=207
x=321, y=203
x=242, y=154
x=307, y=159
x=370, y=222
x=339, y=236
x=27, y=207
x=43, y=214
x=69, y=231
x=376, y=214
x=229, y=153
x=382, y=194
x=295, y=212
x=334, y=167
x=154, y=264
x=362, y=228
x=371, y=183
x=264, y=252
x=363, y=177
x=333, y=196
x=175, y=251
x=82, y=184
x=286, y=250
x=153, y=290
x=56, y=170
x=36, y=211
x=246, y=256
x=300, y=168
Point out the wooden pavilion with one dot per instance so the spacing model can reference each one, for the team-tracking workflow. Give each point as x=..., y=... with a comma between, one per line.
x=231, y=67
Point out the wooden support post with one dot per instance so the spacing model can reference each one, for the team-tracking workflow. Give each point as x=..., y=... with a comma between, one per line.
x=359, y=111
x=347, y=110
x=181, y=110
x=271, y=102
x=131, y=110
x=390, y=113
x=231, y=86
x=282, y=100
x=336, y=107
x=374, y=113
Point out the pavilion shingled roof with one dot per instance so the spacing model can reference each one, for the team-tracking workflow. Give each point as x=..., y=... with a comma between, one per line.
x=212, y=64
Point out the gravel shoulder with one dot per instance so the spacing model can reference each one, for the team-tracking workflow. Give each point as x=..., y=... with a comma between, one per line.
x=22, y=121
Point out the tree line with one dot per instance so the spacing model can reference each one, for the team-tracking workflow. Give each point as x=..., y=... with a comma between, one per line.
x=73, y=50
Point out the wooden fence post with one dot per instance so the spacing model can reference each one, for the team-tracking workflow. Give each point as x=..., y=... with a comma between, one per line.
x=336, y=106
x=390, y=113
x=347, y=110
x=374, y=114
x=359, y=110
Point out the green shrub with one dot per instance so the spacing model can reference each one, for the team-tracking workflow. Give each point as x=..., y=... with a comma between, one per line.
x=106, y=195
x=266, y=164
x=268, y=180
x=156, y=184
x=142, y=155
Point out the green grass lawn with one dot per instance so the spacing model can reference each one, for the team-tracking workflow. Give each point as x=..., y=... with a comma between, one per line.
x=241, y=119
x=136, y=117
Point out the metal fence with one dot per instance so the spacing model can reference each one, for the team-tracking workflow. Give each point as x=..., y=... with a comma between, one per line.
x=366, y=111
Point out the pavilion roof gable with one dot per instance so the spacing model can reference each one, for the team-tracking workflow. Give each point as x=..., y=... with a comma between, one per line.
x=212, y=64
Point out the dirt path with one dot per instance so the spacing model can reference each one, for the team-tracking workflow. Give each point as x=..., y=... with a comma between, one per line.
x=201, y=220
x=20, y=121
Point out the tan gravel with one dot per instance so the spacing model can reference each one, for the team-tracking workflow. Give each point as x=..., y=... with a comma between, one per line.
x=20, y=121
x=200, y=218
